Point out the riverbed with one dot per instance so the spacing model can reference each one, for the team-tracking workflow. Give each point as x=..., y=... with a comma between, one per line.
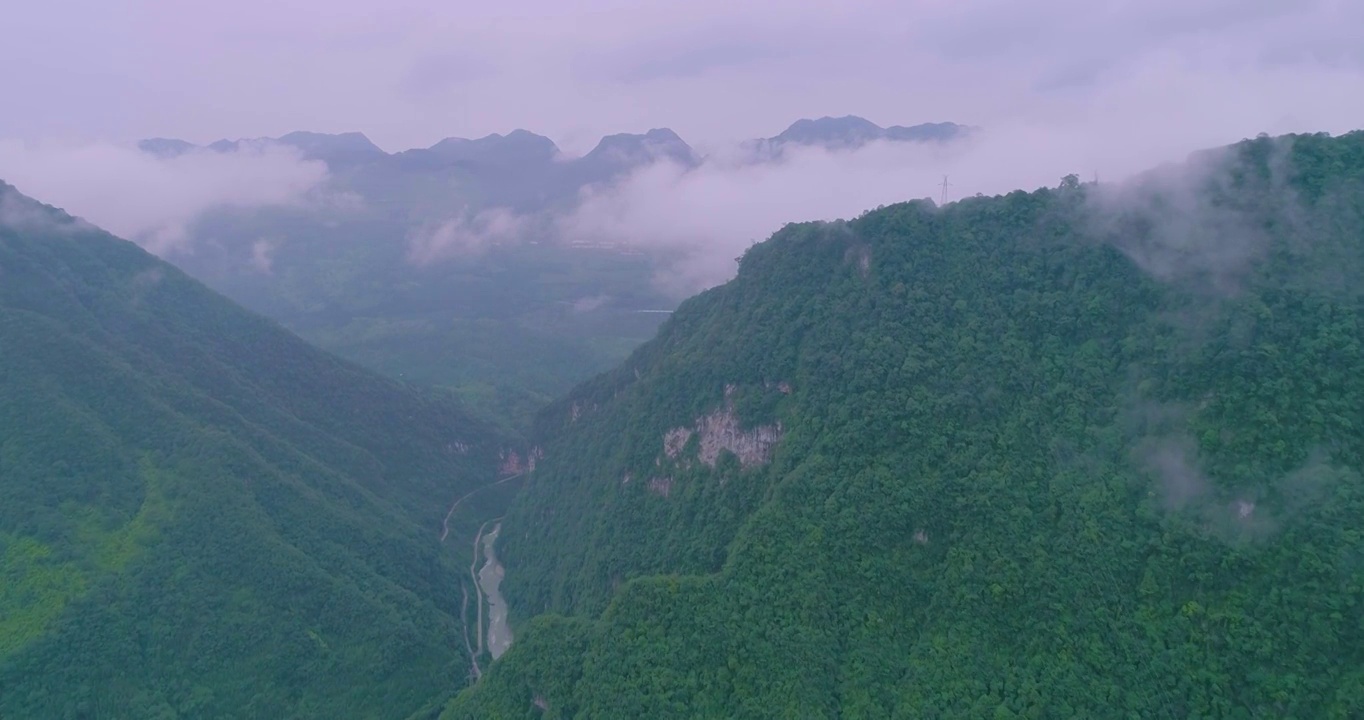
x=490, y=582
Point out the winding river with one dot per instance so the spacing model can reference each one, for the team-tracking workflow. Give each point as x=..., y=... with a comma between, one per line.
x=489, y=582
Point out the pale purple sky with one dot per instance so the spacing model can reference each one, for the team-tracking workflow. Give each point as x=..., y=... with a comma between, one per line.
x=408, y=73
x=1060, y=86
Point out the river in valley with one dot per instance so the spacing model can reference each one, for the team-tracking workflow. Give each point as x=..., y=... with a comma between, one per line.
x=490, y=582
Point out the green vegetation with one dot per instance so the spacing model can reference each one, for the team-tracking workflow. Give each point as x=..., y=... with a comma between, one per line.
x=508, y=329
x=1087, y=451
x=203, y=516
x=444, y=265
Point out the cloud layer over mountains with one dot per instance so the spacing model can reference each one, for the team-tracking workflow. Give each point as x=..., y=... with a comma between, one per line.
x=1060, y=86
x=409, y=72
x=154, y=200
x=654, y=191
x=648, y=191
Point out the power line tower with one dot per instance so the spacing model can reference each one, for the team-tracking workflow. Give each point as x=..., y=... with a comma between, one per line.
x=945, y=185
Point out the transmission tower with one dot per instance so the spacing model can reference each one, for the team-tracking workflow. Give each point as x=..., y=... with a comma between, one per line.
x=945, y=185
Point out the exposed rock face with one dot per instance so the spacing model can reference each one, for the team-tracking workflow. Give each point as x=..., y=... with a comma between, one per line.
x=513, y=464
x=661, y=485
x=782, y=387
x=716, y=432
x=675, y=440
x=576, y=410
x=719, y=431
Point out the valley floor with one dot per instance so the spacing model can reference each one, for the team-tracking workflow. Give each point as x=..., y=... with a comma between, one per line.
x=489, y=580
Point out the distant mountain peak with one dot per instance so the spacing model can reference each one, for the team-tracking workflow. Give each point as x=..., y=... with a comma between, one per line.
x=335, y=149
x=846, y=129
x=516, y=147
x=523, y=134
x=355, y=140
x=166, y=147
x=655, y=134
x=636, y=149
x=849, y=132
x=928, y=132
x=340, y=148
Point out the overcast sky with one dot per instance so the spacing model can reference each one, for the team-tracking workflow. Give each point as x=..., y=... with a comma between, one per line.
x=1059, y=86
x=408, y=73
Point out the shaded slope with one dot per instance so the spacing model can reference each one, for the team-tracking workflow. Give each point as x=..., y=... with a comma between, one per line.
x=1077, y=452
x=201, y=515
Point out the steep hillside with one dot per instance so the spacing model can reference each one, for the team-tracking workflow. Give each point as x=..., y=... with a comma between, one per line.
x=1088, y=451
x=201, y=515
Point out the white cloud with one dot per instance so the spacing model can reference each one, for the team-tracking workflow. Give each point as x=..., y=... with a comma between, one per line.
x=22, y=213
x=263, y=256
x=588, y=304
x=1157, y=111
x=152, y=200
x=1062, y=86
x=464, y=236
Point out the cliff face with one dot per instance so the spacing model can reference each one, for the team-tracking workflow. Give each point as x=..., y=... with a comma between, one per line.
x=513, y=462
x=720, y=431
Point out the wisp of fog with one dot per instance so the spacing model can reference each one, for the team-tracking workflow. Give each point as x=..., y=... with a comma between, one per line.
x=154, y=200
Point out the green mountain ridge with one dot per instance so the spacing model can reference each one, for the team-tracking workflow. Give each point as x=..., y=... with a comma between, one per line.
x=203, y=516
x=1087, y=451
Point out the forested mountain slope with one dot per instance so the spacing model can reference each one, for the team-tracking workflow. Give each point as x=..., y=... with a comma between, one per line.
x=1088, y=451
x=200, y=514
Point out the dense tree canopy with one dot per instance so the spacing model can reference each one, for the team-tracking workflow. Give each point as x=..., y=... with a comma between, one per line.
x=1088, y=451
x=203, y=516
x=1085, y=451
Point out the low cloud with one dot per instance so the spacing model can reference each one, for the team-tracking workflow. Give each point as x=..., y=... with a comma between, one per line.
x=25, y=214
x=1155, y=111
x=1173, y=461
x=465, y=236
x=263, y=256
x=144, y=283
x=1236, y=509
x=1158, y=105
x=152, y=200
x=588, y=304
x=1175, y=224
